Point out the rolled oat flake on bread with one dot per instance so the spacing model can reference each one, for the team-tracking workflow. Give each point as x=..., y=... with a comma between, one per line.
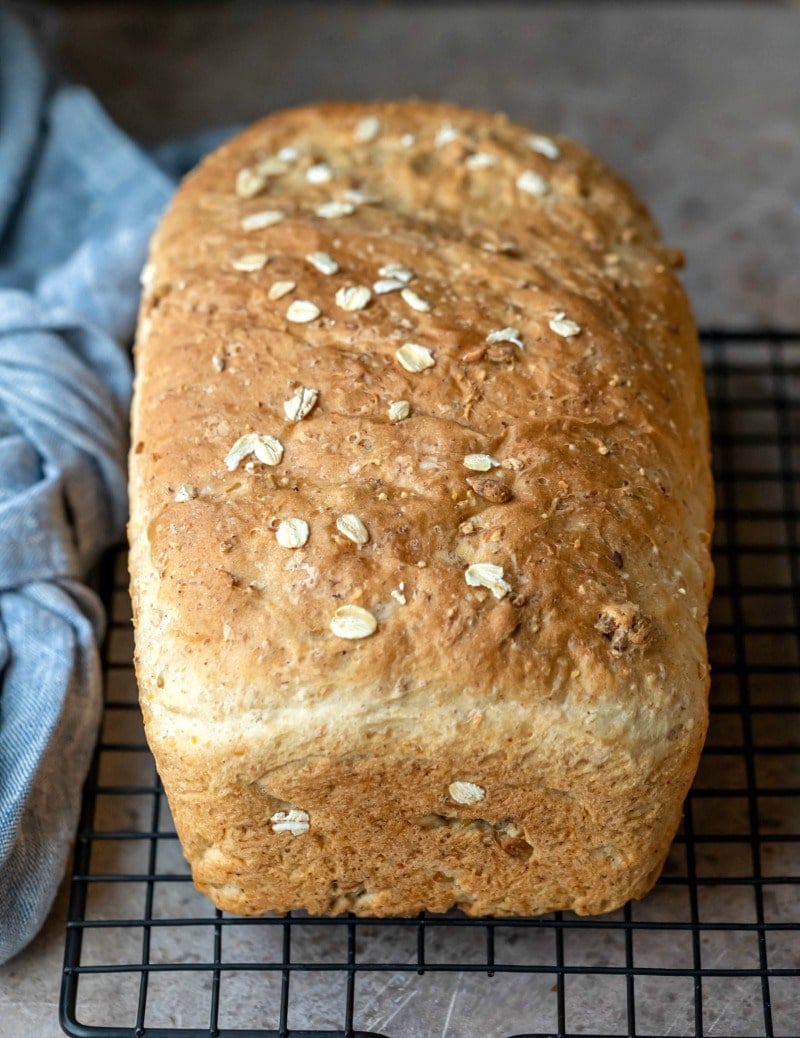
x=329, y=742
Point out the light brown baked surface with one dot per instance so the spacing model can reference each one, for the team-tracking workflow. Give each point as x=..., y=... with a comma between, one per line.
x=577, y=701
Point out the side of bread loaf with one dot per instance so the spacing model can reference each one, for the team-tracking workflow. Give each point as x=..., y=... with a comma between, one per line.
x=421, y=508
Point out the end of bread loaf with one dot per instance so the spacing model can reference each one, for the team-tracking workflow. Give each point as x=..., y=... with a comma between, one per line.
x=421, y=508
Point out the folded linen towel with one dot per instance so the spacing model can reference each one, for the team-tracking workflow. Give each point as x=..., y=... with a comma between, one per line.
x=78, y=202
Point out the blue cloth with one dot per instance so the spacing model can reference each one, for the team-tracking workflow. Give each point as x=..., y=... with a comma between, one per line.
x=78, y=202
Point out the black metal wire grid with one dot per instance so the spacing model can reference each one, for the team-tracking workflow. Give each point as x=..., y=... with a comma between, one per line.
x=713, y=950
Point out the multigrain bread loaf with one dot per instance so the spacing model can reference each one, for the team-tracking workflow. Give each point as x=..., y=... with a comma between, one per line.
x=421, y=510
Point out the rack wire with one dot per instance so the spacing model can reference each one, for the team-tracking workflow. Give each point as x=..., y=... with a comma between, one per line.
x=713, y=950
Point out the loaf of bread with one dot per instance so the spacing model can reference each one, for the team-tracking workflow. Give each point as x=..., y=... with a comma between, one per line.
x=421, y=509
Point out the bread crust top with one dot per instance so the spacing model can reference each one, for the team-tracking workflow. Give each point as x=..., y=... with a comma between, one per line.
x=564, y=356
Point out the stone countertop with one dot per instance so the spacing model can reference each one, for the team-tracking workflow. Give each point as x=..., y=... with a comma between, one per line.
x=698, y=105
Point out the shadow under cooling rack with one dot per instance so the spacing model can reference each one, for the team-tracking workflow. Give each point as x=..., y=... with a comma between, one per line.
x=713, y=950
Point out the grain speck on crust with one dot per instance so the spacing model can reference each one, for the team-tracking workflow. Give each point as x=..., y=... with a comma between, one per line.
x=294, y=821
x=302, y=311
x=414, y=357
x=300, y=403
x=488, y=575
x=466, y=792
x=353, y=622
x=263, y=447
x=292, y=533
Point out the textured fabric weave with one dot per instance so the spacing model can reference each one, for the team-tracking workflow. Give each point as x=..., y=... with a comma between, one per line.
x=78, y=202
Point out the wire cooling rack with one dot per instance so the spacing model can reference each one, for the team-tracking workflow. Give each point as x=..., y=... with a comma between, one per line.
x=713, y=950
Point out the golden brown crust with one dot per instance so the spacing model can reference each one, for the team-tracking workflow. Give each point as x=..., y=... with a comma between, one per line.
x=569, y=687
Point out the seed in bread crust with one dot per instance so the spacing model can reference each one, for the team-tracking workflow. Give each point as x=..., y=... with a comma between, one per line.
x=532, y=183
x=266, y=448
x=334, y=210
x=280, y=289
x=249, y=183
x=351, y=527
x=300, y=403
x=301, y=311
x=292, y=533
x=384, y=285
x=321, y=173
x=186, y=492
x=251, y=262
x=322, y=262
x=399, y=410
x=353, y=297
x=264, y=218
x=466, y=792
x=480, y=160
x=480, y=462
x=488, y=575
x=509, y=334
x=562, y=326
x=397, y=272
x=367, y=129
x=352, y=622
x=414, y=301
x=415, y=358
x=543, y=145
x=446, y=134
x=294, y=821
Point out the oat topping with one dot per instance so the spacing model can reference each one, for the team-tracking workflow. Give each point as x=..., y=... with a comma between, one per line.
x=249, y=183
x=280, y=289
x=353, y=297
x=301, y=403
x=480, y=462
x=414, y=357
x=147, y=276
x=352, y=621
x=414, y=301
x=397, y=593
x=357, y=197
x=301, y=311
x=488, y=575
x=292, y=533
x=266, y=449
x=334, y=210
x=367, y=129
x=264, y=218
x=218, y=362
x=532, y=183
x=480, y=160
x=384, y=285
x=321, y=173
x=543, y=145
x=271, y=166
x=399, y=410
x=446, y=134
x=294, y=821
x=562, y=326
x=408, y=140
x=397, y=272
x=186, y=492
x=322, y=262
x=509, y=334
x=351, y=527
x=288, y=154
x=251, y=262
x=466, y=792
